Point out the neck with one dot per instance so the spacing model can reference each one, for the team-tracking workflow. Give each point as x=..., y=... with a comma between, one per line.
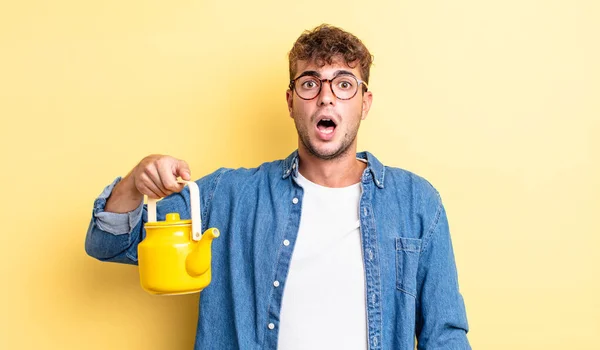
x=342, y=171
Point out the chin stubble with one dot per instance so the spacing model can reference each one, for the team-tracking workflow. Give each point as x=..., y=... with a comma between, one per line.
x=347, y=140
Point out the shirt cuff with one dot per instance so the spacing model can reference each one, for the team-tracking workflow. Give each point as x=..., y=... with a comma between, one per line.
x=115, y=223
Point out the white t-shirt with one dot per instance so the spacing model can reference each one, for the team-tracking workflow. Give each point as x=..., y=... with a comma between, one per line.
x=323, y=304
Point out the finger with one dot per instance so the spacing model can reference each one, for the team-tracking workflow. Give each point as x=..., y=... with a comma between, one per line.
x=183, y=169
x=152, y=180
x=168, y=179
x=148, y=192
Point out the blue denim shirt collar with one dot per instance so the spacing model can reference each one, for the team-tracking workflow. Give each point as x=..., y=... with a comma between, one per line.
x=375, y=169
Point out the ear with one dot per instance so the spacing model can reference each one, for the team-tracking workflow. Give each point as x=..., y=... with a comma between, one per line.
x=366, y=104
x=289, y=96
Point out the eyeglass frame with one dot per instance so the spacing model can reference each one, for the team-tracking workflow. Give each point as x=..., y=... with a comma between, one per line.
x=292, y=85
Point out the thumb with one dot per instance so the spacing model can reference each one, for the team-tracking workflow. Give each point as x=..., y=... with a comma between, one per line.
x=183, y=170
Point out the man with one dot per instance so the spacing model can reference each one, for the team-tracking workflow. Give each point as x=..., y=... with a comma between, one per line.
x=327, y=249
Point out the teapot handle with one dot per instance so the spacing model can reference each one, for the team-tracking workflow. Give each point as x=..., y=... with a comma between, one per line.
x=195, y=209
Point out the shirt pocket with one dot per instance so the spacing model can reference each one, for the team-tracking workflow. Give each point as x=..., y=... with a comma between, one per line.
x=407, y=262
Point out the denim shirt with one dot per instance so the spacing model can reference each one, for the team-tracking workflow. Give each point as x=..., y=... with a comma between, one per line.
x=410, y=274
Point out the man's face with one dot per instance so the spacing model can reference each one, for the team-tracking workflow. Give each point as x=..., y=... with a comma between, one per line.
x=327, y=126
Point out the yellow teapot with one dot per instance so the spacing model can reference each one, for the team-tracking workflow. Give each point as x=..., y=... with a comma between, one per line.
x=174, y=258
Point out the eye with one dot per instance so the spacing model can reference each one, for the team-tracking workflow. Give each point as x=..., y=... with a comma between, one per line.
x=345, y=84
x=309, y=84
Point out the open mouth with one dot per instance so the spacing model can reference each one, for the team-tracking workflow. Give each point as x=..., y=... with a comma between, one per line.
x=326, y=126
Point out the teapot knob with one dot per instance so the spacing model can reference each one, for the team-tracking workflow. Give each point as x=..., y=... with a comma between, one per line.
x=172, y=217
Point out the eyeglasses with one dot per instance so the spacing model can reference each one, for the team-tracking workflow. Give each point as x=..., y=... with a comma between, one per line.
x=344, y=86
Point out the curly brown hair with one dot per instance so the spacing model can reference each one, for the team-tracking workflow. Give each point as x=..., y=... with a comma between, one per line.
x=325, y=43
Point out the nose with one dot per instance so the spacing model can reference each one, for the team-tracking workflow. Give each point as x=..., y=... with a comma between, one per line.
x=326, y=96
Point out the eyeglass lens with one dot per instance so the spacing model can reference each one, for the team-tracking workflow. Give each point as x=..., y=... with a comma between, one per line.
x=343, y=86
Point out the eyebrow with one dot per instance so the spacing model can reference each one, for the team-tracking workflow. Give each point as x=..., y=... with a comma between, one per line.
x=314, y=73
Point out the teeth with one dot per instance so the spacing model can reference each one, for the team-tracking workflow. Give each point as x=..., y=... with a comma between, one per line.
x=327, y=131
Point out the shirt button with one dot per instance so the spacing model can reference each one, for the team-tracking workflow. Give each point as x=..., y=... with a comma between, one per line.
x=276, y=284
x=271, y=326
x=286, y=242
x=295, y=200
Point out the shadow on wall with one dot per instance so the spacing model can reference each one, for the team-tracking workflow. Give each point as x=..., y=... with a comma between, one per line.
x=99, y=295
x=260, y=128
x=171, y=320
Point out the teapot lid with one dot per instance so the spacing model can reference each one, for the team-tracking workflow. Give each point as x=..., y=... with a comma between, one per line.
x=171, y=219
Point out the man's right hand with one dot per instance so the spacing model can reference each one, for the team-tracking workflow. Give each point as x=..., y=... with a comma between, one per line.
x=155, y=176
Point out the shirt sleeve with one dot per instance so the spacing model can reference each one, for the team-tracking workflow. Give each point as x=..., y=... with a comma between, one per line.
x=441, y=320
x=111, y=236
x=115, y=223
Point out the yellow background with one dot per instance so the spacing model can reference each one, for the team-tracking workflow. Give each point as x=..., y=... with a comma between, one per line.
x=495, y=102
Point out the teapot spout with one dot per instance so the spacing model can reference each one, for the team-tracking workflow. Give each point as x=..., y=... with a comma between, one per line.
x=198, y=261
x=209, y=235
